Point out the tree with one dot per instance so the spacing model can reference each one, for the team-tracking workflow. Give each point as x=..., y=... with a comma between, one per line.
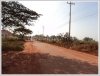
x=60, y=36
x=15, y=14
x=21, y=32
x=66, y=37
x=88, y=39
x=53, y=37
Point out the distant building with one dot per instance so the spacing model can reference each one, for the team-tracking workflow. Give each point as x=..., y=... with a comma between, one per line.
x=6, y=34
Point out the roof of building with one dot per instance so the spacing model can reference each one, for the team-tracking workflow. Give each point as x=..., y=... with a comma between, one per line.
x=6, y=32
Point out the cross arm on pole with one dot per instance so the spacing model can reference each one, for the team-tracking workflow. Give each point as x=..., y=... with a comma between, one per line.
x=72, y=3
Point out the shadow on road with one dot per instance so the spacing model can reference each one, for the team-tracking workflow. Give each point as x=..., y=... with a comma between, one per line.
x=21, y=63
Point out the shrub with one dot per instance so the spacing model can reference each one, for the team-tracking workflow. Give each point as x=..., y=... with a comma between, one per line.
x=12, y=45
x=85, y=46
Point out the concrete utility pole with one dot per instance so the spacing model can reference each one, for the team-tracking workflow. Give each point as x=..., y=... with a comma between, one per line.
x=70, y=3
x=43, y=29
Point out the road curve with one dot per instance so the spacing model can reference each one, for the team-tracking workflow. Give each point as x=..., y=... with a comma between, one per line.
x=45, y=48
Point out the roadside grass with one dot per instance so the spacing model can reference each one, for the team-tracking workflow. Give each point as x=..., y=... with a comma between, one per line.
x=88, y=47
x=12, y=45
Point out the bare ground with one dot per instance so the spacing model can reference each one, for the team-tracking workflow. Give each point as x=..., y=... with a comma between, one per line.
x=43, y=58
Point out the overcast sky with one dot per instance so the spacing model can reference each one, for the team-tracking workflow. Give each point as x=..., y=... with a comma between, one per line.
x=56, y=17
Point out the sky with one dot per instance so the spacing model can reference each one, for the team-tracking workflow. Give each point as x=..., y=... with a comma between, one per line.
x=55, y=18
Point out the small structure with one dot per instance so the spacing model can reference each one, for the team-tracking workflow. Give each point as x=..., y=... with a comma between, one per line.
x=6, y=34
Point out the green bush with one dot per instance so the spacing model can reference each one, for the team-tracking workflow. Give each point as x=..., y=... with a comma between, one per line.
x=12, y=45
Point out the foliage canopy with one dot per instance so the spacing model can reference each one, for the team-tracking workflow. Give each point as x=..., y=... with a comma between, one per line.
x=15, y=14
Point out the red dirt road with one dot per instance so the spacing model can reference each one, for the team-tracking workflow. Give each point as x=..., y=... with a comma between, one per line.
x=44, y=58
x=45, y=48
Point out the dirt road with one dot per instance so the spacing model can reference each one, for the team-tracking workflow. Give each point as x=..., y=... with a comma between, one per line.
x=43, y=58
x=45, y=48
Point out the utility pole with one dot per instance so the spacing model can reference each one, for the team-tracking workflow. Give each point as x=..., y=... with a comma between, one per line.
x=70, y=3
x=43, y=29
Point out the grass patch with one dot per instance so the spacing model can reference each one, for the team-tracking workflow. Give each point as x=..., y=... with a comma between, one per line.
x=12, y=45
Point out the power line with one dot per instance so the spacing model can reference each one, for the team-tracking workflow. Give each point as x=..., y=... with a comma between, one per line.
x=80, y=18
